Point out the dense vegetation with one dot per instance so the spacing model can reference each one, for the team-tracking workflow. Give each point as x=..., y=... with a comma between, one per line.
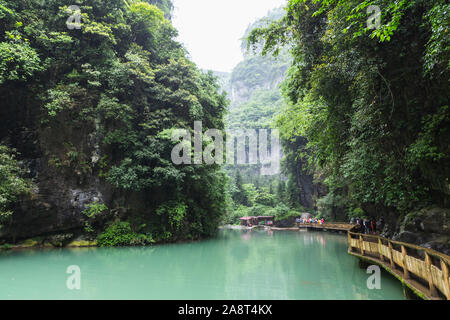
x=102, y=102
x=371, y=103
x=255, y=103
x=12, y=184
x=88, y=115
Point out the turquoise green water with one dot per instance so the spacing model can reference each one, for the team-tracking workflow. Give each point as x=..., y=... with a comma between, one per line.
x=237, y=265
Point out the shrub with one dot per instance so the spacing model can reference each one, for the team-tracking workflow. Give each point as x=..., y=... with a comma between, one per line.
x=121, y=234
x=94, y=209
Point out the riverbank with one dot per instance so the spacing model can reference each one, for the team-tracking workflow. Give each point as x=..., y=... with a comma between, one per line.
x=81, y=242
x=46, y=243
x=35, y=244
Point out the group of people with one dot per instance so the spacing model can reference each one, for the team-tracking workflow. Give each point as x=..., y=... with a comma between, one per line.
x=368, y=226
x=311, y=221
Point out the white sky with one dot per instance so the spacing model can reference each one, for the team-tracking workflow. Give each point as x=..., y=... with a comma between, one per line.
x=211, y=29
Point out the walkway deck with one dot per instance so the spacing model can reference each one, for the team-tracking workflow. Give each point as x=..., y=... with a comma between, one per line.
x=424, y=271
x=343, y=227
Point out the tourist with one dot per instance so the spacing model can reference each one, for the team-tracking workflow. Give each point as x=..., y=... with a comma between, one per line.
x=366, y=226
x=380, y=224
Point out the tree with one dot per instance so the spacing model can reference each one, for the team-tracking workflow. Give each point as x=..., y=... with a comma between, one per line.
x=115, y=89
x=240, y=196
x=379, y=140
x=281, y=191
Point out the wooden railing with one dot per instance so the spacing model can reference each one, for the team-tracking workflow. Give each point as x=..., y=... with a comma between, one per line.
x=327, y=226
x=424, y=270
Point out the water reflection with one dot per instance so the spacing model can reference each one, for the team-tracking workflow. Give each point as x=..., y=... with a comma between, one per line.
x=243, y=265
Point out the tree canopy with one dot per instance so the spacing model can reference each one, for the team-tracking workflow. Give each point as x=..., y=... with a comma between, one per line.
x=103, y=100
x=372, y=103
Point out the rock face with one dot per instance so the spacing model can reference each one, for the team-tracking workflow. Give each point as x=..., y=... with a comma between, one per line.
x=63, y=186
x=429, y=228
x=309, y=190
x=287, y=223
x=241, y=91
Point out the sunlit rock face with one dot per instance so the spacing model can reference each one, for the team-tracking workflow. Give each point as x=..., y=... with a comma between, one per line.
x=241, y=91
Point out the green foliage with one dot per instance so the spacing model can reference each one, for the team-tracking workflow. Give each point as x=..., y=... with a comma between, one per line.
x=333, y=207
x=239, y=193
x=377, y=137
x=257, y=79
x=256, y=71
x=121, y=234
x=438, y=47
x=12, y=184
x=258, y=112
x=94, y=209
x=281, y=191
x=59, y=98
x=175, y=213
x=106, y=96
x=235, y=214
x=6, y=246
x=357, y=213
x=18, y=61
x=265, y=198
x=88, y=227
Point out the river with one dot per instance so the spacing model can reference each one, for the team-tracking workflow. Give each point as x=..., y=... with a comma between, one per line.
x=235, y=265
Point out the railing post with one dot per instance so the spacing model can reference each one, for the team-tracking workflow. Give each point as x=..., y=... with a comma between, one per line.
x=405, y=267
x=350, y=248
x=444, y=268
x=433, y=291
x=361, y=244
x=391, y=255
x=380, y=249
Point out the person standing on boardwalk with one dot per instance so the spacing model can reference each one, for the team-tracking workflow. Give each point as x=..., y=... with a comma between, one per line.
x=373, y=226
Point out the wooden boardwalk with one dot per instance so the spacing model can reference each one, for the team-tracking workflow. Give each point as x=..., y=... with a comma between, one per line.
x=424, y=271
x=341, y=227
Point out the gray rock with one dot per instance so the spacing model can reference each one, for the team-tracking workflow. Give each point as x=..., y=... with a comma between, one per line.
x=407, y=236
x=428, y=227
x=287, y=223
